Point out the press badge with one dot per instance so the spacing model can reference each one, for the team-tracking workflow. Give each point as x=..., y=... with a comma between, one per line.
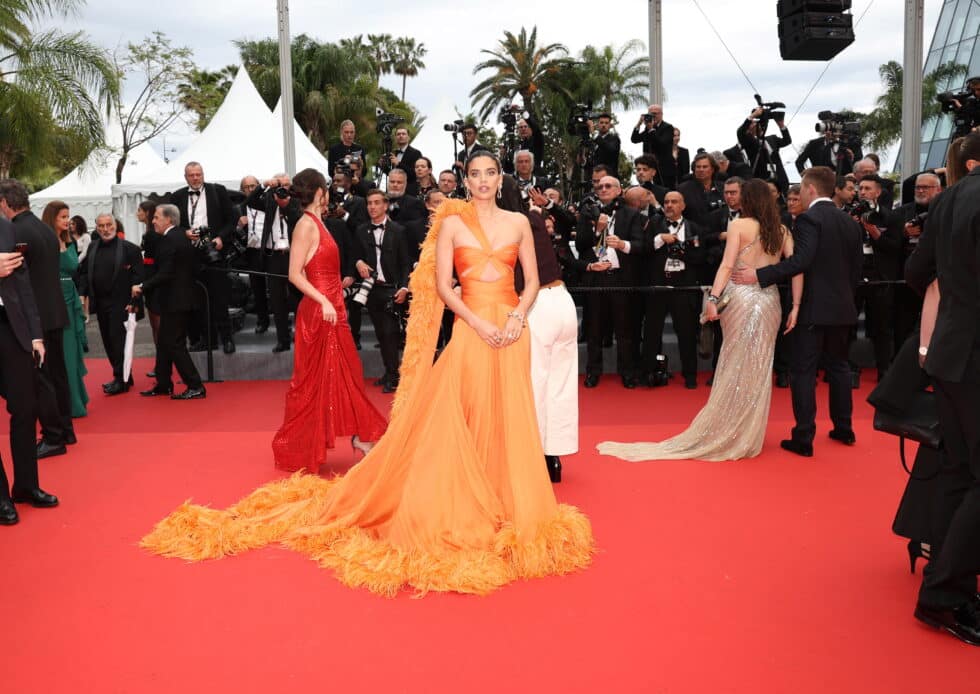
x=674, y=265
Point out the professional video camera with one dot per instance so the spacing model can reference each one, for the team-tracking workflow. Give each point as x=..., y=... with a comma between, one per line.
x=578, y=121
x=775, y=110
x=511, y=113
x=846, y=132
x=386, y=121
x=336, y=195
x=964, y=105
x=455, y=127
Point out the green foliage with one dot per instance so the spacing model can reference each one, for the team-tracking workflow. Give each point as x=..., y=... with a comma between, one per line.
x=407, y=59
x=50, y=82
x=202, y=92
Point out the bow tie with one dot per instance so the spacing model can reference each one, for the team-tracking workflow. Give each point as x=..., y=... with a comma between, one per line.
x=733, y=215
x=376, y=227
x=399, y=151
x=674, y=225
x=195, y=192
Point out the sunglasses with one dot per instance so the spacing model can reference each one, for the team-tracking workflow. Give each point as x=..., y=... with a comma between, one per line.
x=606, y=186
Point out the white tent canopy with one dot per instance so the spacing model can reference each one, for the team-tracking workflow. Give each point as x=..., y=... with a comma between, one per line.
x=243, y=138
x=88, y=187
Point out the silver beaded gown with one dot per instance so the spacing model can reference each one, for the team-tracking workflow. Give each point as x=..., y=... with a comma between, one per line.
x=732, y=424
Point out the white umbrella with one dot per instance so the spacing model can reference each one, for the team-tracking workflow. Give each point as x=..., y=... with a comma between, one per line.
x=128, y=349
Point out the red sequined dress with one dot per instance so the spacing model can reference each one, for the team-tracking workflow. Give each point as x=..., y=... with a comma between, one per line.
x=326, y=396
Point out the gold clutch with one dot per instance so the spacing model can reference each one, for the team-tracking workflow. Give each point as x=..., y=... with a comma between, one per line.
x=721, y=304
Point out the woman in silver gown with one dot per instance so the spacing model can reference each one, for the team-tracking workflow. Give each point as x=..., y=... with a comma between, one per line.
x=732, y=424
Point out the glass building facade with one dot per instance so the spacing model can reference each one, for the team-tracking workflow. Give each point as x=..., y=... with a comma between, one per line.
x=955, y=41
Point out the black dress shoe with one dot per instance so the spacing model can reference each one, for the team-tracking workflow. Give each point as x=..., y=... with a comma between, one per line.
x=962, y=622
x=261, y=327
x=390, y=386
x=845, y=436
x=553, y=463
x=357, y=344
x=782, y=380
x=630, y=382
x=591, y=380
x=798, y=447
x=70, y=438
x=280, y=347
x=228, y=346
x=198, y=346
x=191, y=394
x=151, y=374
x=381, y=381
x=116, y=388
x=38, y=498
x=157, y=390
x=8, y=512
x=47, y=450
x=690, y=382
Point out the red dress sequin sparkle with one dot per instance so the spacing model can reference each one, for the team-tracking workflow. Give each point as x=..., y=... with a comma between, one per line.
x=326, y=396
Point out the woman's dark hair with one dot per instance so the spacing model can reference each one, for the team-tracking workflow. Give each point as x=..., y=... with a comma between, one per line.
x=305, y=185
x=50, y=214
x=510, y=195
x=758, y=204
x=955, y=163
x=428, y=162
x=477, y=155
x=149, y=209
x=81, y=226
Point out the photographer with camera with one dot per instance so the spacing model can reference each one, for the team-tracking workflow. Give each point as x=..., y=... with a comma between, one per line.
x=657, y=137
x=610, y=242
x=762, y=149
x=404, y=155
x=346, y=147
x=383, y=266
x=521, y=133
x=470, y=145
x=343, y=204
x=839, y=147
x=702, y=194
x=674, y=259
x=209, y=221
x=868, y=168
x=280, y=214
x=882, y=248
x=965, y=107
x=908, y=304
x=360, y=185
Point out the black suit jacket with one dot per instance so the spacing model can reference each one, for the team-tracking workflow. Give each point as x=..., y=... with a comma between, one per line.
x=18, y=295
x=409, y=157
x=263, y=200
x=763, y=159
x=692, y=246
x=356, y=209
x=395, y=262
x=950, y=250
x=827, y=250
x=885, y=261
x=820, y=153
x=682, y=166
x=607, y=149
x=127, y=271
x=43, y=257
x=221, y=217
x=349, y=253
x=697, y=200
x=658, y=141
x=174, y=278
x=410, y=213
x=629, y=225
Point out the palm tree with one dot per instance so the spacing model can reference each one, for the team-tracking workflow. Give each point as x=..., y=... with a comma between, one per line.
x=49, y=80
x=518, y=66
x=380, y=49
x=407, y=59
x=608, y=77
x=883, y=126
x=202, y=92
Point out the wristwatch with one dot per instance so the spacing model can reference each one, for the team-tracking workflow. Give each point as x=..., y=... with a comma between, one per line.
x=713, y=299
x=923, y=350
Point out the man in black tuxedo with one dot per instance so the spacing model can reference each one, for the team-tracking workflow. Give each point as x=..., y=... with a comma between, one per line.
x=868, y=168
x=673, y=258
x=763, y=150
x=21, y=342
x=702, y=194
x=403, y=155
x=347, y=147
x=470, y=145
x=645, y=166
x=384, y=254
x=109, y=276
x=827, y=151
x=657, y=136
x=524, y=176
x=611, y=250
x=43, y=257
x=827, y=251
x=408, y=211
x=280, y=215
x=607, y=143
x=208, y=205
x=713, y=243
x=950, y=251
x=174, y=284
x=908, y=303
x=349, y=208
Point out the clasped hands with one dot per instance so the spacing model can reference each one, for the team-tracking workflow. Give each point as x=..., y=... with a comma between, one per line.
x=500, y=337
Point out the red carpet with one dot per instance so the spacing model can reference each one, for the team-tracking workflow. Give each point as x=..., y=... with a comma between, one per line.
x=778, y=574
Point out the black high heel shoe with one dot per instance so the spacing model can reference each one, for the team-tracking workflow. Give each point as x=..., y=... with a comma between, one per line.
x=917, y=549
x=554, y=467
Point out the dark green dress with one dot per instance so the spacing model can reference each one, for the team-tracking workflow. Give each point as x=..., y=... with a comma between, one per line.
x=75, y=341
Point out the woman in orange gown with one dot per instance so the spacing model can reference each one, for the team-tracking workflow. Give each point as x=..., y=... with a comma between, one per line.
x=326, y=395
x=453, y=497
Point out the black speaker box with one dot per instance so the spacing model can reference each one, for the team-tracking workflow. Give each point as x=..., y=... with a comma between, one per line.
x=784, y=8
x=815, y=20
x=814, y=43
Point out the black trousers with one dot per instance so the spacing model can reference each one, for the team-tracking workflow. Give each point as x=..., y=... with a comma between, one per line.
x=809, y=344
x=260, y=289
x=354, y=311
x=278, y=263
x=385, y=326
x=112, y=328
x=781, y=358
x=218, y=295
x=684, y=309
x=950, y=578
x=614, y=305
x=172, y=351
x=18, y=385
x=908, y=306
x=878, y=304
x=53, y=396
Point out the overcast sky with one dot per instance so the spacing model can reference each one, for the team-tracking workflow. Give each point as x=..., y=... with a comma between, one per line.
x=707, y=96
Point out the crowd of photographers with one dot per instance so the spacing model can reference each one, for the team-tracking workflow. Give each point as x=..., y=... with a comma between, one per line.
x=666, y=229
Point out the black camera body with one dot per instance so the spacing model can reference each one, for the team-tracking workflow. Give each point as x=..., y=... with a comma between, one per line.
x=661, y=372
x=967, y=116
x=716, y=204
x=776, y=110
x=386, y=122
x=205, y=246
x=510, y=114
x=919, y=220
x=847, y=132
x=648, y=118
x=860, y=208
x=455, y=127
x=578, y=121
x=590, y=210
x=281, y=192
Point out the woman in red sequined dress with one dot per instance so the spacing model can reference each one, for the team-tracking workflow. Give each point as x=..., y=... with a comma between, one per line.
x=326, y=396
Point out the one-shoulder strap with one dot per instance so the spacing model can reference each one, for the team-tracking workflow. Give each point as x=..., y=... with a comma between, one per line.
x=472, y=223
